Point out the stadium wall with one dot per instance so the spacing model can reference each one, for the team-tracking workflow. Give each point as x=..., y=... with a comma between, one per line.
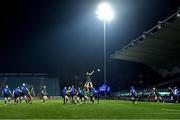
x=36, y=80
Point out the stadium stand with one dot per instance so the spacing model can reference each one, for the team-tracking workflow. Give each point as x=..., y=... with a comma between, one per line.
x=157, y=48
x=37, y=80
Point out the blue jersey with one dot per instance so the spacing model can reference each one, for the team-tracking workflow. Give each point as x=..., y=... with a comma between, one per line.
x=72, y=90
x=80, y=93
x=16, y=91
x=24, y=89
x=6, y=91
x=64, y=91
x=176, y=92
x=133, y=92
x=95, y=92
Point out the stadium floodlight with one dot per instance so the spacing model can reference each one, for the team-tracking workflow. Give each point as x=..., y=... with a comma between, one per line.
x=105, y=13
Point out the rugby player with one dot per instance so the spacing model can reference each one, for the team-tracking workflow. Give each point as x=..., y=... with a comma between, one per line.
x=176, y=94
x=80, y=94
x=64, y=94
x=133, y=94
x=16, y=94
x=7, y=94
x=88, y=83
x=24, y=92
x=170, y=90
x=72, y=93
x=95, y=95
x=43, y=94
x=157, y=96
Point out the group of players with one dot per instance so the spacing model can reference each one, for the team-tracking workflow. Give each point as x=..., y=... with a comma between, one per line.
x=22, y=93
x=173, y=94
x=81, y=95
x=70, y=94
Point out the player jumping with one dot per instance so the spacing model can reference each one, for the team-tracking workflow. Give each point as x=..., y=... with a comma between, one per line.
x=88, y=83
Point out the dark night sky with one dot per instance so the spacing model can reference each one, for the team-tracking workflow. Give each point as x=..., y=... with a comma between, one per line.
x=64, y=37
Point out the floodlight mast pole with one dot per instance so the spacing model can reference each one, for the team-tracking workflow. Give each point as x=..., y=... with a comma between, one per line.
x=105, y=67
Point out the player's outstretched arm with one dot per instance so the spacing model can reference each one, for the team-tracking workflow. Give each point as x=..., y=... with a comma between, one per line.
x=91, y=72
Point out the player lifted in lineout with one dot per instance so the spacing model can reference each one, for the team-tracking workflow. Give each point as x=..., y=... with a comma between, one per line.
x=88, y=85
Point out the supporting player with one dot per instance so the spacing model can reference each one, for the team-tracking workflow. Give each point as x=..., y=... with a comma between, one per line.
x=88, y=83
x=96, y=95
x=16, y=94
x=43, y=94
x=133, y=94
x=67, y=96
x=24, y=93
x=76, y=97
x=86, y=95
x=6, y=93
x=91, y=97
x=72, y=93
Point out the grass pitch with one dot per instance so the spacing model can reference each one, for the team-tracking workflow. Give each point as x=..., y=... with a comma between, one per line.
x=107, y=109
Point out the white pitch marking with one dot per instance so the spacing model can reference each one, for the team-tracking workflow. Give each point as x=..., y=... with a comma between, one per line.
x=165, y=109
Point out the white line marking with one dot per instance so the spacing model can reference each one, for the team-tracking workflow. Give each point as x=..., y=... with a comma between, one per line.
x=165, y=109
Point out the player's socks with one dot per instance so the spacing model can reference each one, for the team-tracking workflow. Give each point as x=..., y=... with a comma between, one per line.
x=64, y=100
x=43, y=101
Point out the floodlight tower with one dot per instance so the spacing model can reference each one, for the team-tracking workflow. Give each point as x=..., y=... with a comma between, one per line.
x=105, y=13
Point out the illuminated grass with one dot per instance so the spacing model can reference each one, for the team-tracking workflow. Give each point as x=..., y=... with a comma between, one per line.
x=107, y=109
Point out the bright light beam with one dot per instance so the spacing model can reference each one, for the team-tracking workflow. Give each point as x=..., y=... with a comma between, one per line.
x=104, y=12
